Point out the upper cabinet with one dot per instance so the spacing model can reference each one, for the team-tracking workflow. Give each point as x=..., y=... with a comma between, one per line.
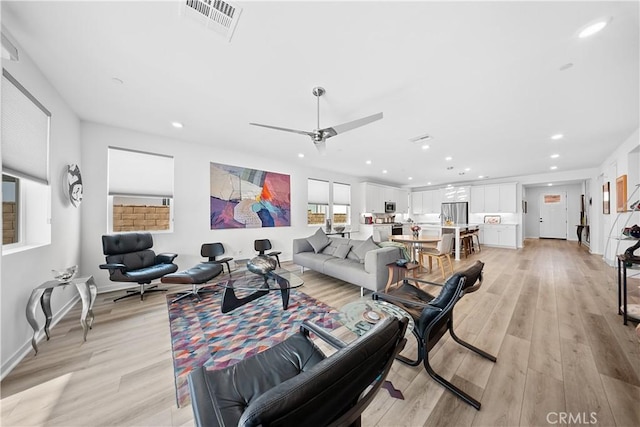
x=495, y=198
x=424, y=202
x=455, y=194
x=375, y=195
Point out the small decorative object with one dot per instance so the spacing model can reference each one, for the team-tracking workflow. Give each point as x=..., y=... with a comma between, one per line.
x=65, y=275
x=401, y=262
x=327, y=224
x=339, y=228
x=621, y=193
x=492, y=219
x=262, y=265
x=416, y=230
x=606, y=204
x=74, y=184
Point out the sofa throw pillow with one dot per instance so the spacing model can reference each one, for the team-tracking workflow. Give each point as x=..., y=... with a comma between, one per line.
x=319, y=241
x=342, y=250
x=364, y=247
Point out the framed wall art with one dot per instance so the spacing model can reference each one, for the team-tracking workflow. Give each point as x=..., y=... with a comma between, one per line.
x=248, y=198
x=605, y=199
x=621, y=193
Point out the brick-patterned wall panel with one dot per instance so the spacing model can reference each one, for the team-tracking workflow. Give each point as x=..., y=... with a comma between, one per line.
x=140, y=218
x=9, y=223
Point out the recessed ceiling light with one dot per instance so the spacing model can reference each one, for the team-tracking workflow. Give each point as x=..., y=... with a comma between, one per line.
x=384, y=171
x=448, y=158
x=425, y=147
x=480, y=176
x=557, y=136
x=368, y=162
x=555, y=156
x=592, y=29
x=428, y=183
x=553, y=168
x=300, y=155
x=410, y=178
x=177, y=125
x=467, y=169
x=549, y=184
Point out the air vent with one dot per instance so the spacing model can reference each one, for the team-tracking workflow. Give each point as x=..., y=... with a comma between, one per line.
x=217, y=15
x=420, y=138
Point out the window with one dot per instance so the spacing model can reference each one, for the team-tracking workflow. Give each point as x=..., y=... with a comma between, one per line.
x=341, y=203
x=26, y=200
x=140, y=191
x=10, y=192
x=318, y=201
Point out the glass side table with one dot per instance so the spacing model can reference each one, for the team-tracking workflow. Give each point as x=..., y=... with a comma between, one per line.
x=359, y=316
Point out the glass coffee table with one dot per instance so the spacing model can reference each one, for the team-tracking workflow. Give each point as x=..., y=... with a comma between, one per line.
x=257, y=286
x=361, y=315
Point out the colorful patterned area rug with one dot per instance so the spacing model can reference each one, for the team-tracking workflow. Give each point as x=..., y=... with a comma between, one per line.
x=202, y=335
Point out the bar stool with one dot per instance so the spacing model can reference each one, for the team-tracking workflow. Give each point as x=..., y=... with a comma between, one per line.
x=475, y=235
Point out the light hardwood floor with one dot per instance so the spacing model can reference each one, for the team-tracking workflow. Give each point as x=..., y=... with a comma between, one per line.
x=548, y=312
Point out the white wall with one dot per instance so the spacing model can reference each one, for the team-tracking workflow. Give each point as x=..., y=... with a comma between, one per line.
x=191, y=198
x=622, y=161
x=22, y=271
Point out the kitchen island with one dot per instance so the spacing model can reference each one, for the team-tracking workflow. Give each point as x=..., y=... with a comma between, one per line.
x=431, y=229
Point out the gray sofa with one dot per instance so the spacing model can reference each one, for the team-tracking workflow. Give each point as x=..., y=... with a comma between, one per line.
x=370, y=272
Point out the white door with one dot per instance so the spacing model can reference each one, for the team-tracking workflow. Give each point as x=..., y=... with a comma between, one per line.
x=553, y=215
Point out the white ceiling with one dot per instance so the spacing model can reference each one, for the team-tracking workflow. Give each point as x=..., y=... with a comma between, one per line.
x=483, y=78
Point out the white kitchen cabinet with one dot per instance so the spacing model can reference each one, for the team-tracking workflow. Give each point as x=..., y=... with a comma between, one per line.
x=402, y=201
x=373, y=198
x=496, y=198
x=389, y=194
x=492, y=198
x=499, y=235
x=416, y=202
x=476, y=202
x=508, y=199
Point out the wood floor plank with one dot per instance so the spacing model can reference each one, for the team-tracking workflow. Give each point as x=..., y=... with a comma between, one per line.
x=543, y=397
x=583, y=388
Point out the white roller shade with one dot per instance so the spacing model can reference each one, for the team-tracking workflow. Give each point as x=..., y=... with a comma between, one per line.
x=25, y=132
x=135, y=173
x=318, y=192
x=341, y=194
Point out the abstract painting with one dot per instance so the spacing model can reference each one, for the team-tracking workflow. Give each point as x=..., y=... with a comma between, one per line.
x=248, y=198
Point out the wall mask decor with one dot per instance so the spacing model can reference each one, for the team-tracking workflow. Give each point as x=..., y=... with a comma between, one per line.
x=248, y=198
x=74, y=184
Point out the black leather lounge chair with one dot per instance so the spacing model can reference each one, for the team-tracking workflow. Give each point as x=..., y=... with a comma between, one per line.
x=294, y=384
x=130, y=259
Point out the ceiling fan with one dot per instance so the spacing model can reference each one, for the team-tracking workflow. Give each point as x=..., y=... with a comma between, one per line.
x=319, y=136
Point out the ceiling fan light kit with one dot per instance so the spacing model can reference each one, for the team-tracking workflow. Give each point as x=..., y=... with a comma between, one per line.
x=319, y=136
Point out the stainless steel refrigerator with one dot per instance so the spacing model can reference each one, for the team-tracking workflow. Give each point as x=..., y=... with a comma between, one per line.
x=457, y=212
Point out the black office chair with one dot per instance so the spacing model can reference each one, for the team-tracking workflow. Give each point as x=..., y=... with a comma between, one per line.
x=263, y=245
x=214, y=250
x=130, y=259
x=433, y=316
x=294, y=384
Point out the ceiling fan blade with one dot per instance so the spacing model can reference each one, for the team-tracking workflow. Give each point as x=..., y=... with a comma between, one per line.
x=301, y=132
x=335, y=130
x=321, y=146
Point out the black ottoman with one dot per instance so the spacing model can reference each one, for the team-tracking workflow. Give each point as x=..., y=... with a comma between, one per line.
x=196, y=275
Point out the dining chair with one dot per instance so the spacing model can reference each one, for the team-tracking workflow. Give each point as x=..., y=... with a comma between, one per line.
x=441, y=252
x=213, y=251
x=262, y=245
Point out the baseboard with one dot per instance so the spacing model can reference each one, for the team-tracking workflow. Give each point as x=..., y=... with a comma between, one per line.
x=26, y=348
